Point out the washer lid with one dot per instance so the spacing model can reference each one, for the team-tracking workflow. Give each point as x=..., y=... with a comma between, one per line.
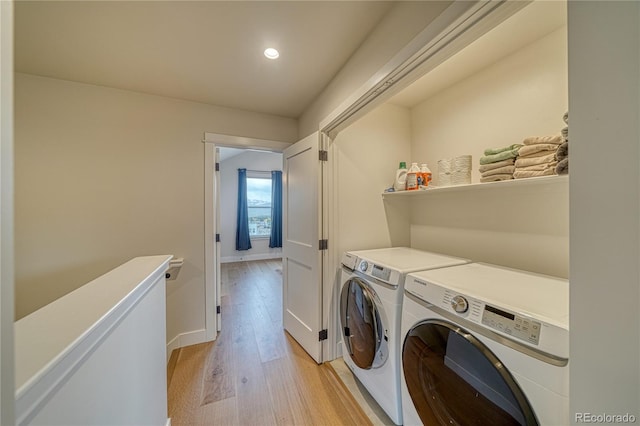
x=405, y=259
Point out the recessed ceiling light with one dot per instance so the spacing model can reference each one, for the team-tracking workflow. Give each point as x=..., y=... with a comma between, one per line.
x=271, y=53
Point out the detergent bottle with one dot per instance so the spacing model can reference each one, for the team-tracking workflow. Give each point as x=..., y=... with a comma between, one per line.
x=400, y=184
x=425, y=174
x=412, y=177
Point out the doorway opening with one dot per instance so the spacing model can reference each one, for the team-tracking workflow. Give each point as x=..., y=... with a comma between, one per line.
x=261, y=257
x=302, y=237
x=223, y=156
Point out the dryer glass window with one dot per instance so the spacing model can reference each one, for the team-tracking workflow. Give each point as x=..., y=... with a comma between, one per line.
x=454, y=379
x=362, y=328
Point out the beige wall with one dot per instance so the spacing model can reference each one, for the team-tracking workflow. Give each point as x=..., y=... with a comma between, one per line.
x=523, y=94
x=403, y=22
x=366, y=157
x=104, y=175
x=604, y=87
x=498, y=224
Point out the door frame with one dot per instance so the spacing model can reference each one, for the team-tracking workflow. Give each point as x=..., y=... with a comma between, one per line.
x=211, y=141
x=7, y=269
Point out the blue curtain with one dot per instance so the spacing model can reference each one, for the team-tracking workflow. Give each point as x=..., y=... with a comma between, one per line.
x=243, y=242
x=275, y=240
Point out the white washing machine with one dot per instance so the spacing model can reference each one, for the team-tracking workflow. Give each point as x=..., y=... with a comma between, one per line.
x=370, y=312
x=485, y=345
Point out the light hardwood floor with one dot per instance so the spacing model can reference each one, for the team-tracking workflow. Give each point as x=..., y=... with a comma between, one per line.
x=254, y=373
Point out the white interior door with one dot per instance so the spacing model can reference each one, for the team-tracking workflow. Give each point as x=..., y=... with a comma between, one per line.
x=301, y=255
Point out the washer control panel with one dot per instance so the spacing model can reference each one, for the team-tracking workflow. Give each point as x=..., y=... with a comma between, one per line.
x=382, y=273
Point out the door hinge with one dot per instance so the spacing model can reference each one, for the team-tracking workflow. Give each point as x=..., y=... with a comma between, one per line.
x=217, y=238
x=323, y=335
x=218, y=310
x=323, y=244
x=217, y=167
x=323, y=155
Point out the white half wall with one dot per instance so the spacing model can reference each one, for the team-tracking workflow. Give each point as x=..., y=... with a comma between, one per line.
x=91, y=163
x=97, y=355
x=250, y=160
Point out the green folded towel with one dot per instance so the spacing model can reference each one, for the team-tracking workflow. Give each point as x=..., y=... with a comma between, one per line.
x=503, y=155
x=493, y=151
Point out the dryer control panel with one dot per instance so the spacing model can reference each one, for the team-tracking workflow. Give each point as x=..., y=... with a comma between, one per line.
x=499, y=301
x=518, y=326
x=523, y=328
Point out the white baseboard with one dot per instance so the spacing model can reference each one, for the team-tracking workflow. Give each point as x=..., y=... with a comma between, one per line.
x=261, y=256
x=186, y=339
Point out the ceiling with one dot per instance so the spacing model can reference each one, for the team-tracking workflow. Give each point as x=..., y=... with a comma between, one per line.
x=203, y=51
x=531, y=23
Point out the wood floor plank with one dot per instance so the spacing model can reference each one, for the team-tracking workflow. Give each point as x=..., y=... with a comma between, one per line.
x=250, y=379
x=254, y=373
x=186, y=386
x=223, y=412
x=289, y=405
x=171, y=366
x=219, y=380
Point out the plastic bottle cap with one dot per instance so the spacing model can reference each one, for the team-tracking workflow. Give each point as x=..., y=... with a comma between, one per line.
x=403, y=165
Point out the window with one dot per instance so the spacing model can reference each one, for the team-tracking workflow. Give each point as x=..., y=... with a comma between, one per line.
x=259, y=203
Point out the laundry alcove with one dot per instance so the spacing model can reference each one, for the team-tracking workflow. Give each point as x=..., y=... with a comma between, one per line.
x=508, y=84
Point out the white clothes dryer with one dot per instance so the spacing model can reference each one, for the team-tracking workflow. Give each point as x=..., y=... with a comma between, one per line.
x=485, y=345
x=371, y=295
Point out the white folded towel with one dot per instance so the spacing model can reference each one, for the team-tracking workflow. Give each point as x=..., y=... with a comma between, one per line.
x=532, y=161
x=533, y=140
x=528, y=150
x=538, y=167
x=520, y=174
x=499, y=171
x=496, y=178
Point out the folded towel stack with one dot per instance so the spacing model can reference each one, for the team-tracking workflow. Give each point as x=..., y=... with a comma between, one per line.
x=562, y=153
x=498, y=163
x=537, y=157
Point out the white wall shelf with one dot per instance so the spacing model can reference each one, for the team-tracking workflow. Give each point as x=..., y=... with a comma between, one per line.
x=514, y=183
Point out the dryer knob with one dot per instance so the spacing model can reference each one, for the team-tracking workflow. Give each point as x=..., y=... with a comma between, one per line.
x=459, y=304
x=363, y=266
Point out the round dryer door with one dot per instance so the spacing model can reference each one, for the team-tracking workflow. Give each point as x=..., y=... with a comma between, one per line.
x=454, y=379
x=362, y=325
